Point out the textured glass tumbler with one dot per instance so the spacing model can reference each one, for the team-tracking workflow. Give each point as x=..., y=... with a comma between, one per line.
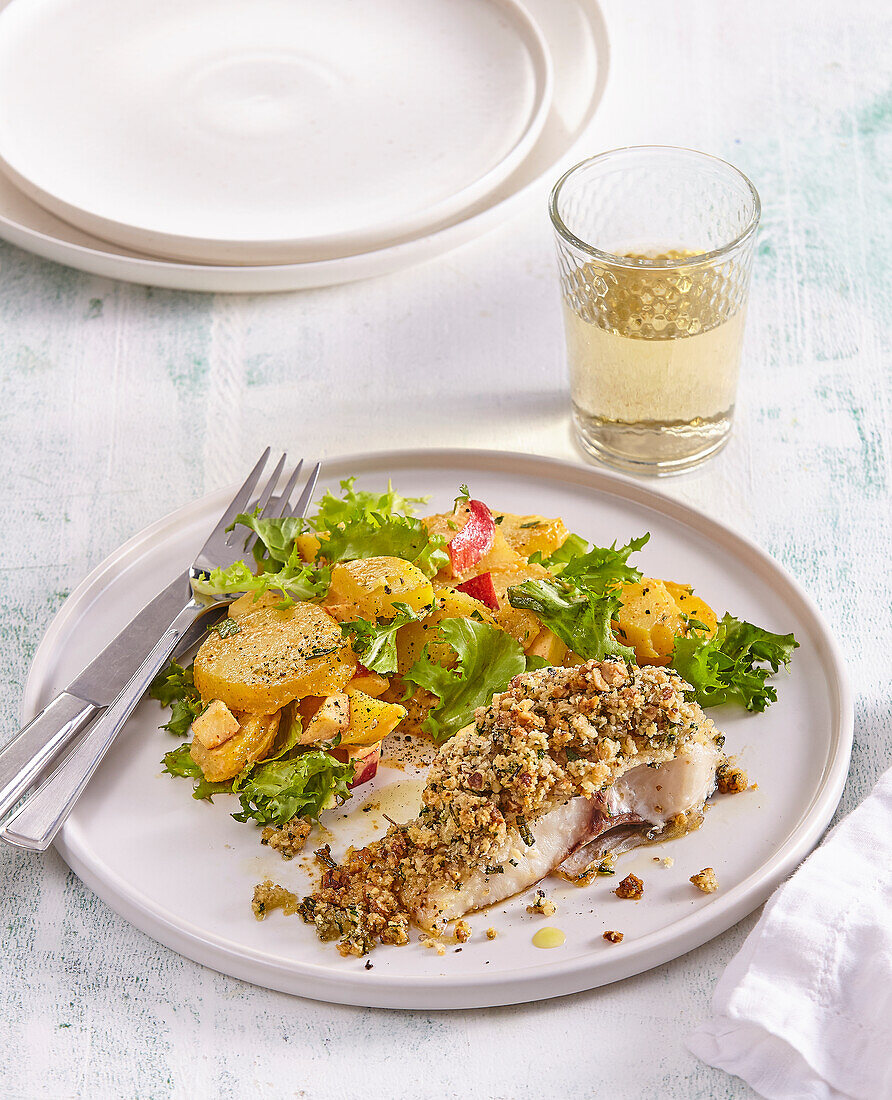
x=655, y=247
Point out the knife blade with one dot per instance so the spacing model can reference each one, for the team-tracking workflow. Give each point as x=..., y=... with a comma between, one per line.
x=38, y=743
x=105, y=676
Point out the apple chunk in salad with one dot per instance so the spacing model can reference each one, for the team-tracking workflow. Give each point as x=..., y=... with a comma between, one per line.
x=365, y=619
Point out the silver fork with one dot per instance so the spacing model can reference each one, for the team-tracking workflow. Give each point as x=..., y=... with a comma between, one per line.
x=44, y=812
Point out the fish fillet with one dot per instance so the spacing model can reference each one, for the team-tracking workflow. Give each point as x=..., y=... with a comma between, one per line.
x=640, y=803
x=561, y=764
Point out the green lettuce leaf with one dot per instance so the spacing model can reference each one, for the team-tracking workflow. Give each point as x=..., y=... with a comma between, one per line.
x=734, y=664
x=375, y=520
x=602, y=568
x=275, y=537
x=173, y=687
x=289, y=782
x=573, y=546
x=488, y=659
x=375, y=534
x=375, y=643
x=303, y=786
x=178, y=762
x=288, y=737
x=580, y=601
x=535, y=662
x=354, y=505
x=297, y=580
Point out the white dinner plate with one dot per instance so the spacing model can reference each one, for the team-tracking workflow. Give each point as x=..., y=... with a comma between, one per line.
x=577, y=42
x=184, y=871
x=263, y=131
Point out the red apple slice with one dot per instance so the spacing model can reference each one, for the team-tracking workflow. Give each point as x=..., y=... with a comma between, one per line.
x=474, y=539
x=482, y=589
x=364, y=759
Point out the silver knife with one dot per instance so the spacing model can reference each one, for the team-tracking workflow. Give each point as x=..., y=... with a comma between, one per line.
x=44, y=737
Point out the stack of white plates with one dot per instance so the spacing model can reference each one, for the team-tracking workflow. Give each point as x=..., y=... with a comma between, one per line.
x=277, y=144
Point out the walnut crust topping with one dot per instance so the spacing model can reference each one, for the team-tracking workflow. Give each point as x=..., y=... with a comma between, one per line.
x=730, y=779
x=706, y=881
x=542, y=905
x=613, y=937
x=555, y=734
x=289, y=839
x=631, y=887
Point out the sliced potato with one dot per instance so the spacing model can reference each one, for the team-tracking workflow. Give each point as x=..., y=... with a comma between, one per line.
x=276, y=656
x=692, y=605
x=448, y=604
x=308, y=546
x=248, y=604
x=371, y=719
x=369, y=587
x=253, y=741
x=499, y=558
x=648, y=621
x=521, y=624
x=527, y=534
x=416, y=706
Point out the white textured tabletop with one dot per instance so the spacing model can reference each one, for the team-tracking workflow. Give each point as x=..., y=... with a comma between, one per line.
x=121, y=403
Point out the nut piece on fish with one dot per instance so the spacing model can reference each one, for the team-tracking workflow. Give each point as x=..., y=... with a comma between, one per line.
x=562, y=760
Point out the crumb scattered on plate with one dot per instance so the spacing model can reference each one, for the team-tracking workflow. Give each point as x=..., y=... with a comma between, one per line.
x=429, y=941
x=631, y=887
x=462, y=931
x=542, y=905
x=731, y=779
x=706, y=881
x=269, y=896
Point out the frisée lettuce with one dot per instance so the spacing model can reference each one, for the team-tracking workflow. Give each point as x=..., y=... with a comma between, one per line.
x=734, y=664
x=488, y=660
x=580, y=600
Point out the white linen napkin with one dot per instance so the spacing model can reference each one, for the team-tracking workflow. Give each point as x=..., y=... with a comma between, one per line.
x=804, y=1011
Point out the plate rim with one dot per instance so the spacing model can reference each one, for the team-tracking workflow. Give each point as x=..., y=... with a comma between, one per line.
x=94, y=258
x=181, y=248
x=484, y=990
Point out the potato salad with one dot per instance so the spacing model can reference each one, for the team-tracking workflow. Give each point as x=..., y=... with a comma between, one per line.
x=367, y=618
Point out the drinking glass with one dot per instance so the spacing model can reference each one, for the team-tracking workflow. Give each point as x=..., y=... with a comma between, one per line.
x=655, y=248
